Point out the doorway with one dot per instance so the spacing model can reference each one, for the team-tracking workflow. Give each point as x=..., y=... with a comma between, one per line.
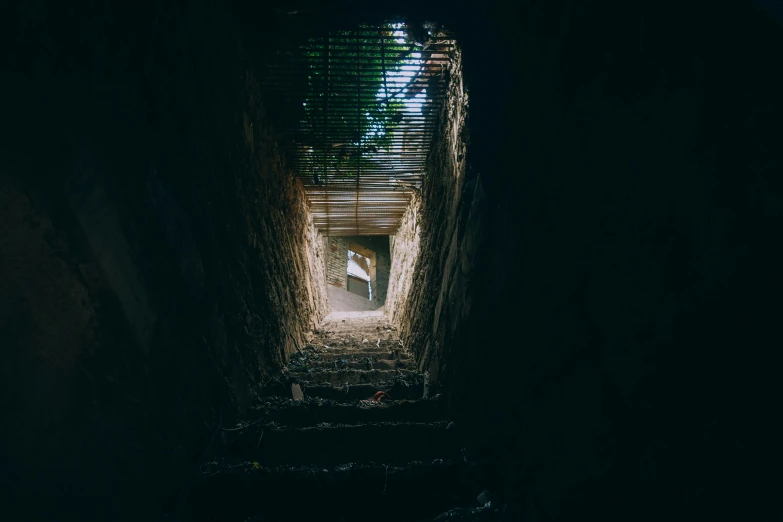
x=360, y=276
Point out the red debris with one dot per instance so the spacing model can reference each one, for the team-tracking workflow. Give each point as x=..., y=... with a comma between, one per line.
x=380, y=395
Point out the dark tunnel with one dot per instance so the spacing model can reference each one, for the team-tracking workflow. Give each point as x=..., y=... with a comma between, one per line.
x=240, y=281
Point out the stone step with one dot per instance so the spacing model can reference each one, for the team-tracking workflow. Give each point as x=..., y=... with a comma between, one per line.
x=343, y=342
x=354, y=338
x=352, y=353
x=306, y=359
x=356, y=322
x=415, y=491
x=332, y=354
x=364, y=349
x=334, y=328
x=290, y=413
x=357, y=342
x=342, y=330
x=362, y=363
x=398, y=390
x=350, y=376
x=386, y=442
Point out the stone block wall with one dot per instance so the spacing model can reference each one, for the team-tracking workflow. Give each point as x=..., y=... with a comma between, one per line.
x=440, y=234
x=404, y=249
x=382, y=273
x=337, y=261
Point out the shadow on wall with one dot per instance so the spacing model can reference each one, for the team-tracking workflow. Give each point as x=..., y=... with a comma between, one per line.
x=628, y=208
x=143, y=288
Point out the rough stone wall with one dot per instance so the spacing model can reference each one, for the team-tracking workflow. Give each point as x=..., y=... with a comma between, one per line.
x=382, y=271
x=617, y=359
x=316, y=255
x=156, y=254
x=404, y=247
x=431, y=314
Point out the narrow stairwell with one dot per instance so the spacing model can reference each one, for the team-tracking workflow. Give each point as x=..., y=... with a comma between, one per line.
x=334, y=453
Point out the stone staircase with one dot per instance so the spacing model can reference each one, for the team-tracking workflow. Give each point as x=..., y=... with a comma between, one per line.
x=335, y=454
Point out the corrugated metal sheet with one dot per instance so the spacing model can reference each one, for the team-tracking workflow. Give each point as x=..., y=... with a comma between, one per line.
x=367, y=101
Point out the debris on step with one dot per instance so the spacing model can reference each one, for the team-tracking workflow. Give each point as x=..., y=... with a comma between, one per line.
x=297, y=392
x=376, y=399
x=380, y=395
x=479, y=514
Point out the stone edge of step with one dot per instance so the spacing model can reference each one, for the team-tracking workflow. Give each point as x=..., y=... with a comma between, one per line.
x=235, y=467
x=274, y=427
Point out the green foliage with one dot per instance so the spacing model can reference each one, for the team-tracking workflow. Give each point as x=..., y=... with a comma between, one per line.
x=355, y=94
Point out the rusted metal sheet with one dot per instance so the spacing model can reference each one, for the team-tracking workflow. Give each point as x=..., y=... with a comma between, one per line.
x=366, y=100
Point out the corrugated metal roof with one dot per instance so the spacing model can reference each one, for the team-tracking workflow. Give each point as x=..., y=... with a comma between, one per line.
x=367, y=101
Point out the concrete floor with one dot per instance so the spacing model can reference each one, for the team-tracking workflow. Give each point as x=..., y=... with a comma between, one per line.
x=341, y=300
x=336, y=315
